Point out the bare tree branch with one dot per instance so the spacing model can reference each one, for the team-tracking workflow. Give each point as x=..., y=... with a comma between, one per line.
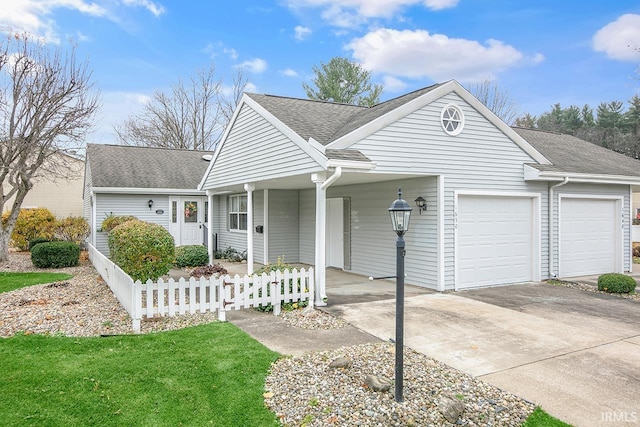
x=192, y=115
x=47, y=102
x=496, y=99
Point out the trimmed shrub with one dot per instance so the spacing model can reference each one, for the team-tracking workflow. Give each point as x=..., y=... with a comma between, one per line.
x=72, y=229
x=143, y=250
x=636, y=250
x=55, y=254
x=112, y=221
x=616, y=283
x=36, y=241
x=208, y=271
x=32, y=223
x=191, y=256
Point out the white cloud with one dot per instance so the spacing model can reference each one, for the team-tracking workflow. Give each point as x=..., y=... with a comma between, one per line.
x=419, y=54
x=256, y=65
x=393, y=84
x=35, y=16
x=289, y=72
x=620, y=39
x=301, y=32
x=250, y=87
x=348, y=13
x=155, y=8
x=212, y=49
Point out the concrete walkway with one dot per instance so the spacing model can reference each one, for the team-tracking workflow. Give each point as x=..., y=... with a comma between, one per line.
x=576, y=354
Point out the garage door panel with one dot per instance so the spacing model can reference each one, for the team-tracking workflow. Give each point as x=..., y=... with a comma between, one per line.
x=588, y=236
x=494, y=241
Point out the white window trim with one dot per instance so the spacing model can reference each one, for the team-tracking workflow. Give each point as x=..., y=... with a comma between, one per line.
x=229, y=212
x=460, y=123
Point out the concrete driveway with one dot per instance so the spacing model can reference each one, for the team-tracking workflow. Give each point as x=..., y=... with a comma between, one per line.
x=575, y=353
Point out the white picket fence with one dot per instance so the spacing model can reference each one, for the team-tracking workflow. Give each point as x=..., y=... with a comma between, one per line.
x=173, y=298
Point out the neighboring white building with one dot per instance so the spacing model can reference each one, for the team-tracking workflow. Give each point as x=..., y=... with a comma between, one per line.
x=313, y=181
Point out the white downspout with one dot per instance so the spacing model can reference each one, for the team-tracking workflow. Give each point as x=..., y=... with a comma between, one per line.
x=552, y=273
x=321, y=224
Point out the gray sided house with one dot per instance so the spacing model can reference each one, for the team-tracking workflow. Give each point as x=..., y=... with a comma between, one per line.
x=313, y=181
x=157, y=185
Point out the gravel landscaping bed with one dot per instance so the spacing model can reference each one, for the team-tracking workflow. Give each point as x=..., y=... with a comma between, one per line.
x=306, y=391
x=301, y=390
x=590, y=288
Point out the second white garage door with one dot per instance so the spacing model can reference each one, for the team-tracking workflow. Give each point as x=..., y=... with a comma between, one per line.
x=590, y=236
x=495, y=240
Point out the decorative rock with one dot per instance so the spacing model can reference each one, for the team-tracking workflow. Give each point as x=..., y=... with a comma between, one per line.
x=377, y=383
x=341, y=363
x=309, y=312
x=451, y=409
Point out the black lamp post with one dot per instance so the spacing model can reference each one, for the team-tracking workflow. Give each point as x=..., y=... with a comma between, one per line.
x=400, y=213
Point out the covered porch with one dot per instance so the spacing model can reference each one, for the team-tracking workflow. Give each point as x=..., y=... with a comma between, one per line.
x=336, y=221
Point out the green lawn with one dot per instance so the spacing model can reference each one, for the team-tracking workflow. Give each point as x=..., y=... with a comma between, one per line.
x=205, y=375
x=539, y=418
x=13, y=281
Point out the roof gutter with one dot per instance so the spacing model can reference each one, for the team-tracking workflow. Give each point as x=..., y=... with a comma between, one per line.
x=552, y=273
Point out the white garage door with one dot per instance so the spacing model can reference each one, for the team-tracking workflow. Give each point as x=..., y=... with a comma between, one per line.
x=589, y=236
x=495, y=240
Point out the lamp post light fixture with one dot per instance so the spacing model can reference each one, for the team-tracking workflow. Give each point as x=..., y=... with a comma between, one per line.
x=400, y=213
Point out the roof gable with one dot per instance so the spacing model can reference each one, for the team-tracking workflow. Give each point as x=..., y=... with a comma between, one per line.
x=119, y=166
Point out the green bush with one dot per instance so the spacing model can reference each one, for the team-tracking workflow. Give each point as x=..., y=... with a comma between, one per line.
x=72, y=229
x=143, y=250
x=616, y=283
x=55, y=254
x=191, y=256
x=31, y=223
x=112, y=221
x=36, y=241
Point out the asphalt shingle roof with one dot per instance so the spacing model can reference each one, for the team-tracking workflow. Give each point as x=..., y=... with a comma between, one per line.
x=145, y=167
x=327, y=121
x=573, y=155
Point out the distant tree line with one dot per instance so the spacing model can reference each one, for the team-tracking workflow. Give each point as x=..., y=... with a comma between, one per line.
x=610, y=125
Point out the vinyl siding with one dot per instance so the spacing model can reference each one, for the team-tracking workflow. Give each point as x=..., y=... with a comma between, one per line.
x=595, y=190
x=238, y=239
x=479, y=158
x=256, y=142
x=283, y=225
x=373, y=240
x=129, y=204
x=86, y=195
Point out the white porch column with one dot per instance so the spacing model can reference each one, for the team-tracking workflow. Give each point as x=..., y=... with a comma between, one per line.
x=210, y=226
x=321, y=223
x=249, y=189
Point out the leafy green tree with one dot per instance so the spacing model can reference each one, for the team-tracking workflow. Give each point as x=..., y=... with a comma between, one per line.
x=343, y=81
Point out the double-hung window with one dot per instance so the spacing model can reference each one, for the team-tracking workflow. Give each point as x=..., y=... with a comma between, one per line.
x=238, y=212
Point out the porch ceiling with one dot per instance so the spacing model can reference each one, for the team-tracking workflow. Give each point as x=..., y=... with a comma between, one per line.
x=301, y=182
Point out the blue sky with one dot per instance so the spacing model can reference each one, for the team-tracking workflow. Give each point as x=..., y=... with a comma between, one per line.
x=543, y=52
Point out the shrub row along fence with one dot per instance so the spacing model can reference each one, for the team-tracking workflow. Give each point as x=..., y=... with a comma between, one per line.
x=222, y=294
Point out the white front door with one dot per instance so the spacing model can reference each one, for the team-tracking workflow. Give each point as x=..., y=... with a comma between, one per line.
x=335, y=233
x=187, y=217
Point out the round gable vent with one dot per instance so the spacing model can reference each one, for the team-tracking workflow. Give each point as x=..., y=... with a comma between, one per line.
x=452, y=119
